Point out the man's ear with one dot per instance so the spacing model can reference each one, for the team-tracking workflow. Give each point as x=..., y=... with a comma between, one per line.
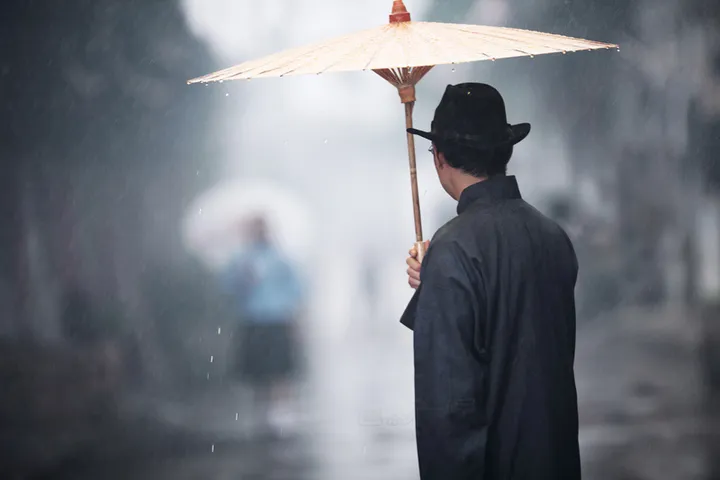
x=440, y=161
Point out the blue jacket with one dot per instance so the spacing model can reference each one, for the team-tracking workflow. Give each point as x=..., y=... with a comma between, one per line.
x=265, y=286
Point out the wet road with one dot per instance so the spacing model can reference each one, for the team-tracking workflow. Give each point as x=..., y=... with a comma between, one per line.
x=638, y=385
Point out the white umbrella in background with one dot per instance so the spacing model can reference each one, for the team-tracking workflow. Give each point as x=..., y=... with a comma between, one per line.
x=211, y=229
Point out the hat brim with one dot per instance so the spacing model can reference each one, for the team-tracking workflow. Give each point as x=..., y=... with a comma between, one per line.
x=517, y=134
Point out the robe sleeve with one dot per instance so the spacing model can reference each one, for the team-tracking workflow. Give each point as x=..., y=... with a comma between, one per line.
x=449, y=371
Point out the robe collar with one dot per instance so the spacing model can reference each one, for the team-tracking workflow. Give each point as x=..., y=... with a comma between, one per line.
x=501, y=187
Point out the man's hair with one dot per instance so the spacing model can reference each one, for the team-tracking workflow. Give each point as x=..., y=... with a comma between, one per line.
x=478, y=163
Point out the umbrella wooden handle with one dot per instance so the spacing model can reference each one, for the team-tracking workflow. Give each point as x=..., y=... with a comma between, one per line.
x=421, y=249
x=413, y=169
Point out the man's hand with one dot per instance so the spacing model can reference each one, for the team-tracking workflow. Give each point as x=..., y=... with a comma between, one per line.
x=413, y=270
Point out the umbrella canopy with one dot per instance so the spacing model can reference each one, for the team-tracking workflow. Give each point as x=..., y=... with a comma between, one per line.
x=403, y=52
x=405, y=45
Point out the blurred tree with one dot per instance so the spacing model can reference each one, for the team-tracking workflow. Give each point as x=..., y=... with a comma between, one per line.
x=704, y=144
x=99, y=122
x=703, y=154
x=703, y=149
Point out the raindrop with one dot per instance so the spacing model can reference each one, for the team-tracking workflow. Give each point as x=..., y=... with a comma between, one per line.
x=326, y=141
x=453, y=70
x=212, y=358
x=618, y=49
x=564, y=52
x=492, y=59
x=227, y=94
x=200, y=212
x=208, y=376
x=532, y=56
x=212, y=449
x=197, y=173
x=237, y=415
x=219, y=330
x=221, y=81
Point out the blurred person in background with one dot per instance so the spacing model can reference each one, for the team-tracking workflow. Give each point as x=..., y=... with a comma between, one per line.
x=268, y=296
x=493, y=314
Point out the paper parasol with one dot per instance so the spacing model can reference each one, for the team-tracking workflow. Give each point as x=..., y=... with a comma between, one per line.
x=403, y=52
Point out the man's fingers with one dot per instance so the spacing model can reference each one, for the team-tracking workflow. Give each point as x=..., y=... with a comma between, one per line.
x=413, y=270
x=412, y=263
x=413, y=251
x=412, y=273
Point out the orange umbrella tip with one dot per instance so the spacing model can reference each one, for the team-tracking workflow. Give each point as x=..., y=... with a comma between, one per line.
x=399, y=12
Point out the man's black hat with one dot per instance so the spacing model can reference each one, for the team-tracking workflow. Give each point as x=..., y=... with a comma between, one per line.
x=473, y=115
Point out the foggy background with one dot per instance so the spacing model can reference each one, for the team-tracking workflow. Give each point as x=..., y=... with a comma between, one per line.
x=122, y=187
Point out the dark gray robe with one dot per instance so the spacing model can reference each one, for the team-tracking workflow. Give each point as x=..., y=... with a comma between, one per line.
x=494, y=339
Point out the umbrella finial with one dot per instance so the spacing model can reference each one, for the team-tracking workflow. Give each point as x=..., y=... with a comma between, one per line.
x=399, y=12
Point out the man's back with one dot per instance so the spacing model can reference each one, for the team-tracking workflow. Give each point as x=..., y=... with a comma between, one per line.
x=494, y=323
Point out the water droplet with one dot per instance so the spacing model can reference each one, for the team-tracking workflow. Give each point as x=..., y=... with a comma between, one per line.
x=212, y=358
x=221, y=81
x=564, y=52
x=326, y=141
x=532, y=56
x=208, y=376
x=197, y=173
x=227, y=94
x=219, y=330
x=212, y=449
x=618, y=49
x=453, y=70
x=200, y=212
x=492, y=59
x=237, y=415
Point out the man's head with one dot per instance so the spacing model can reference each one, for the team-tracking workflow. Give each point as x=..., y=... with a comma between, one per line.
x=471, y=139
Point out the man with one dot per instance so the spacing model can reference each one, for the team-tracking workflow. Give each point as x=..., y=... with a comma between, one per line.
x=269, y=298
x=493, y=315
